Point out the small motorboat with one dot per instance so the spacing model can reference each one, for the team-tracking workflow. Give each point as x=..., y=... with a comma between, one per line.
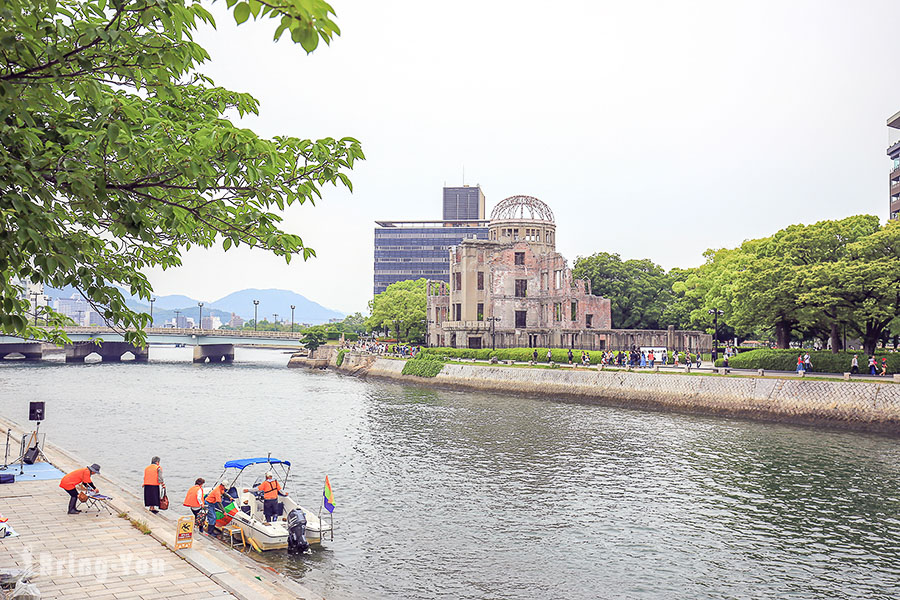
x=245, y=509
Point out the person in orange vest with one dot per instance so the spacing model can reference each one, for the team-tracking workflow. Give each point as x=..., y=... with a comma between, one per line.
x=78, y=477
x=154, y=486
x=213, y=501
x=270, y=489
x=194, y=501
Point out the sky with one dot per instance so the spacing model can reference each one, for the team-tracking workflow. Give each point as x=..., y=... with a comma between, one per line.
x=653, y=129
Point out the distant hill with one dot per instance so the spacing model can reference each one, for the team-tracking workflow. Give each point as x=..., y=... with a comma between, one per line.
x=276, y=301
x=271, y=301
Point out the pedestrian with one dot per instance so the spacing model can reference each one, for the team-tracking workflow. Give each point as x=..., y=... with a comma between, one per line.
x=570, y=356
x=883, y=367
x=585, y=359
x=643, y=359
x=154, y=487
x=78, y=477
x=549, y=355
x=698, y=360
x=854, y=365
x=807, y=363
x=872, y=364
x=214, y=501
x=194, y=501
x=270, y=489
x=664, y=358
x=652, y=358
x=799, y=363
x=675, y=357
x=534, y=355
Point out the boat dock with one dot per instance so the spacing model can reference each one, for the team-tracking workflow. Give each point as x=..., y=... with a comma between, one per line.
x=105, y=556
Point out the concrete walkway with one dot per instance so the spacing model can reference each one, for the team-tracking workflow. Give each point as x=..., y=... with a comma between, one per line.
x=104, y=556
x=91, y=555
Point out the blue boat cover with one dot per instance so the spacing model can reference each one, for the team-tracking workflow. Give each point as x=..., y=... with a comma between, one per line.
x=246, y=462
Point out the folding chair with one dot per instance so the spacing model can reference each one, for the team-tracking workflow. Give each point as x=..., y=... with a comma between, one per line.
x=98, y=502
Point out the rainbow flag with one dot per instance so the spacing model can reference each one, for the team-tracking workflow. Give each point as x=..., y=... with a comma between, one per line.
x=223, y=519
x=328, y=496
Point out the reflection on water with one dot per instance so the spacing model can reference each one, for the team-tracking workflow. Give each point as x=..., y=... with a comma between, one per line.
x=447, y=494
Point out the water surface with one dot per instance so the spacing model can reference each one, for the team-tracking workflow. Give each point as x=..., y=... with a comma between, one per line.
x=448, y=494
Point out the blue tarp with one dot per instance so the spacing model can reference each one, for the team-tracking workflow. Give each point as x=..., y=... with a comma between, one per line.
x=246, y=462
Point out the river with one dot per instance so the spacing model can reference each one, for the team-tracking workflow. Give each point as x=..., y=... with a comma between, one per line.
x=448, y=494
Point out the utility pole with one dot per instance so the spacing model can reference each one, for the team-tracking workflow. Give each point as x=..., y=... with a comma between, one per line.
x=200, y=324
x=152, y=300
x=255, y=313
x=292, y=317
x=715, y=312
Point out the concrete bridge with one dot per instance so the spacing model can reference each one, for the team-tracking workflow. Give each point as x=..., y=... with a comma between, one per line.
x=210, y=345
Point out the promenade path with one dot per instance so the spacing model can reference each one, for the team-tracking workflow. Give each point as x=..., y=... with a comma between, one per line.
x=91, y=555
x=104, y=556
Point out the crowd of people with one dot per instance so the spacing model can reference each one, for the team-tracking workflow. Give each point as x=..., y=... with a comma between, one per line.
x=203, y=505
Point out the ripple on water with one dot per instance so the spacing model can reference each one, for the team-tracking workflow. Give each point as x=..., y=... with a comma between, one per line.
x=448, y=494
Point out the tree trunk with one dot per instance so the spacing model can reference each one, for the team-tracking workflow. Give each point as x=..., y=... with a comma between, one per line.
x=835, y=338
x=782, y=334
x=870, y=340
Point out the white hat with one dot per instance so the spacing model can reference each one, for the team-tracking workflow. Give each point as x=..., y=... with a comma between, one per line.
x=269, y=474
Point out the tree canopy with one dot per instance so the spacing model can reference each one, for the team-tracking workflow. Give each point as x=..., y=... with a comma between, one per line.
x=400, y=308
x=117, y=154
x=639, y=290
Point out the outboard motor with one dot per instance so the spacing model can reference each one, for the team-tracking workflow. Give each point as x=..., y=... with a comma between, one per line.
x=296, y=522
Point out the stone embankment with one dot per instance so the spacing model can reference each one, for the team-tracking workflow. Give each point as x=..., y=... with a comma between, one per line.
x=850, y=404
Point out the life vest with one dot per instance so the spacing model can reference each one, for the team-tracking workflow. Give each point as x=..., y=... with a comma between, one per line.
x=191, y=500
x=151, y=475
x=214, y=496
x=74, y=478
x=269, y=489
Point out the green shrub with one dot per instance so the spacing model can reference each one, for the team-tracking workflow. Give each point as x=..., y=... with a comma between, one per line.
x=423, y=366
x=822, y=360
x=351, y=337
x=340, y=358
x=559, y=355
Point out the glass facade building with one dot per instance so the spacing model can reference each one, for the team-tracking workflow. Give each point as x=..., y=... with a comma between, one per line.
x=415, y=249
x=463, y=203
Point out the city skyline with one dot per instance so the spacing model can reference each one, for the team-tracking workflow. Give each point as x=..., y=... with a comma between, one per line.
x=651, y=133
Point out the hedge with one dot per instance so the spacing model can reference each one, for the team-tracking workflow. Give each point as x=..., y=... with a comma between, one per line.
x=340, y=358
x=822, y=360
x=423, y=366
x=559, y=355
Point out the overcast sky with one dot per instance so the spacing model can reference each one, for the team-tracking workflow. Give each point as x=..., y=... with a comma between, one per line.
x=652, y=129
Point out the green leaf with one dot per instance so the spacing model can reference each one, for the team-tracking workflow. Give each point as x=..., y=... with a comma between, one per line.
x=241, y=12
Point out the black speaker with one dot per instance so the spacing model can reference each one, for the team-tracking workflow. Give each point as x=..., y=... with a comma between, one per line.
x=31, y=455
x=35, y=411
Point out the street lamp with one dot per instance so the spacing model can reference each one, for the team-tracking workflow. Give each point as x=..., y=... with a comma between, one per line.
x=715, y=312
x=493, y=333
x=255, y=320
x=152, y=300
x=46, y=316
x=292, y=317
x=200, y=324
x=34, y=305
x=275, y=317
x=177, y=312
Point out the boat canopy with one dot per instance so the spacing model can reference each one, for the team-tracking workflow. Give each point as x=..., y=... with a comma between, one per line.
x=243, y=463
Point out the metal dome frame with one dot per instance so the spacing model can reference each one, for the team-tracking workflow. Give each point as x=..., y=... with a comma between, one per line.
x=514, y=209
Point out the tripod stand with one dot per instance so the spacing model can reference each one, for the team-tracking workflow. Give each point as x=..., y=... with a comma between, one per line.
x=6, y=455
x=25, y=448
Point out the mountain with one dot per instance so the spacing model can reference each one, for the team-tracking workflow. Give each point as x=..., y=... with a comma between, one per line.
x=271, y=301
x=276, y=301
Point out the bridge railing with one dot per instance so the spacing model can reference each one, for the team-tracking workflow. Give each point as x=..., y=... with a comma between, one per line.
x=176, y=331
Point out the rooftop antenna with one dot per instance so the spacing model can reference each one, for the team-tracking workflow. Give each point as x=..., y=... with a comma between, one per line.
x=464, y=174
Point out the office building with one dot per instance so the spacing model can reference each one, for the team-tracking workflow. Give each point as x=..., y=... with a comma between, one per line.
x=893, y=152
x=464, y=203
x=420, y=249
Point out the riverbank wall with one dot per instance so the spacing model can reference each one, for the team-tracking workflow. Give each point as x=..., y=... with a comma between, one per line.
x=860, y=405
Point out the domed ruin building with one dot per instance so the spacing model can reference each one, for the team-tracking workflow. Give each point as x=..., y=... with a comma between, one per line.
x=515, y=290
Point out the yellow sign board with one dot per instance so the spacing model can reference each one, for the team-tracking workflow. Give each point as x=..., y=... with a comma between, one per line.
x=184, y=533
